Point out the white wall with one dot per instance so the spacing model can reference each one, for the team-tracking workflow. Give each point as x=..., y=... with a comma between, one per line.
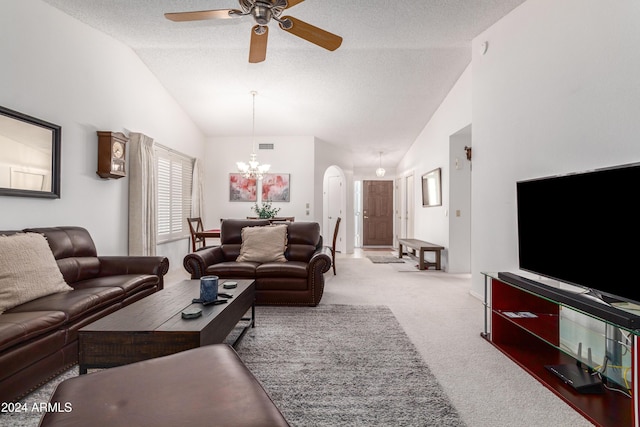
x=459, y=250
x=292, y=155
x=305, y=158
x=431, y=151
x=60, y=70
x=557, y=91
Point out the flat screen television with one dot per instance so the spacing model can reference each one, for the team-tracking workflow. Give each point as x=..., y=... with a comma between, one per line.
x=583, y=229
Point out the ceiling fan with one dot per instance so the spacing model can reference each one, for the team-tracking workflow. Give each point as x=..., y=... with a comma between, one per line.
x=263, y=11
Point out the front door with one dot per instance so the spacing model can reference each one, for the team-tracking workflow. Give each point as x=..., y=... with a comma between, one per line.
x=377, y=213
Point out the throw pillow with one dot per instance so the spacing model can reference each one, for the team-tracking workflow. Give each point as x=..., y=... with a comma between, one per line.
x=28, y=270
x=263, y=244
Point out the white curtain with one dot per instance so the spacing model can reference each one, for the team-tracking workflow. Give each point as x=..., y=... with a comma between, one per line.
x=142, y=195
x=197, y=193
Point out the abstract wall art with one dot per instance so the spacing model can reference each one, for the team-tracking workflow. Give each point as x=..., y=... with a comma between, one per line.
x=275, y=187
x=242, y=189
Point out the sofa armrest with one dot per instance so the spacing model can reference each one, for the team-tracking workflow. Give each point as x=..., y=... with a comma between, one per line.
x=321, y=260
x=197, y=262
x=319, y=264
x=155, y=265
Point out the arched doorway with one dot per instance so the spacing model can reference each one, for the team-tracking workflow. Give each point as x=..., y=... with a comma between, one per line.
x=334, y=206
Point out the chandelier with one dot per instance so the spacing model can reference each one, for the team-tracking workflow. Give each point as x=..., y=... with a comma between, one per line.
x=380, y=171
x=253, y=169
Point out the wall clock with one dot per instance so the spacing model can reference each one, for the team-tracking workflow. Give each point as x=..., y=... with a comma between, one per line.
x=112, y=151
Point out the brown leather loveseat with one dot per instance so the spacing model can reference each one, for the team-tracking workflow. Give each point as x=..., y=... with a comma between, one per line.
x=39, y=338
x=299, y=280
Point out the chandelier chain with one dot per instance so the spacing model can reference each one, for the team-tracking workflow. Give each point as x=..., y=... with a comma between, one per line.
x=253, y=169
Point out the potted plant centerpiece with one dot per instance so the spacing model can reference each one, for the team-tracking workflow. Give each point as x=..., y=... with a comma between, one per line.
x=266, y=211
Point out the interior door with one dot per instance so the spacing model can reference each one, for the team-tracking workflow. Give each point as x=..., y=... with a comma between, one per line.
x=399, y=208
x=377, y=213
x=410, y=201
x=334, y=208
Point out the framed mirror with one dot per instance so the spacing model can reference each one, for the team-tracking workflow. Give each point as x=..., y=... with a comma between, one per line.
x=431, y=189
x=29, y=156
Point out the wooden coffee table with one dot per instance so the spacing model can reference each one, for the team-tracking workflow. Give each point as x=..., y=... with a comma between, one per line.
x=154, y=327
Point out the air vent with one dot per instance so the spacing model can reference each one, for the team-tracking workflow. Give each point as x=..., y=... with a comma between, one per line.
x=265, y=146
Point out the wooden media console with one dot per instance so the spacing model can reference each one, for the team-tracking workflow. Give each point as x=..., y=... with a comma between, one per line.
x=540, y=325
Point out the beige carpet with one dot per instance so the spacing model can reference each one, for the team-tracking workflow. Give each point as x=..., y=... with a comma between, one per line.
x=444, y=321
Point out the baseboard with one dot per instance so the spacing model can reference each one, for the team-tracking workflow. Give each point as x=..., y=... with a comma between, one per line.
x=476, y=295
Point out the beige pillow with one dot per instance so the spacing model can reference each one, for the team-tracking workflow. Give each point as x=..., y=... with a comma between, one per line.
x=28, y=270
x=263, y=244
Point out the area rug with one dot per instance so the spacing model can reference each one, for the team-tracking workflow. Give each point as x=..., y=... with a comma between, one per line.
x=28, y=411
x=343, y=365
x=331, y=365
x=385, y=259
x=410, y=266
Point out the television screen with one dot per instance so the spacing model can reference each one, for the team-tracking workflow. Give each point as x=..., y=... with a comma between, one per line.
x=583, y=229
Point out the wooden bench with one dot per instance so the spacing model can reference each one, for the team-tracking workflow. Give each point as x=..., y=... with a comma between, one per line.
x=422, y=247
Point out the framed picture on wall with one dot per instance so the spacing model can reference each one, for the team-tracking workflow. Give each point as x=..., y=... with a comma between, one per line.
x=242, y=189
x=275, y=187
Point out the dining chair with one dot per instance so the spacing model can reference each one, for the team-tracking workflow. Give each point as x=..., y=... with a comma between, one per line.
x=333, y=245
x=195, y=226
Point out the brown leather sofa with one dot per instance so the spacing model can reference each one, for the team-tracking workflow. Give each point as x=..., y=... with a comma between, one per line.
x=39, y=339
x=298, y=281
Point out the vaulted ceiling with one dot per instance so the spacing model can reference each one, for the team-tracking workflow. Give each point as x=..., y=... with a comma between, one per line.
x=397, y=62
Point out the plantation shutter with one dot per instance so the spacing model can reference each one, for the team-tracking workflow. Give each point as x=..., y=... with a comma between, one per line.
x=175, y=173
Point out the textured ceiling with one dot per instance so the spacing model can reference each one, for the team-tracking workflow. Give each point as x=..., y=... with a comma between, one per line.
x=375, y=93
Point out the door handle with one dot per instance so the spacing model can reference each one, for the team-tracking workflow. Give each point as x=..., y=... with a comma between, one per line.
x=366, y=217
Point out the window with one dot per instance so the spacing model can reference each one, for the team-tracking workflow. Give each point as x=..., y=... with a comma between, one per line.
x=175, y=173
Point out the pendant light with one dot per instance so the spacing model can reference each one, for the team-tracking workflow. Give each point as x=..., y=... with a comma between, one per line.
x=380, y=171
x=253, y=169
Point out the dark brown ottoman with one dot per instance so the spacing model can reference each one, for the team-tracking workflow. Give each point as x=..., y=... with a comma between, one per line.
x=206, y=386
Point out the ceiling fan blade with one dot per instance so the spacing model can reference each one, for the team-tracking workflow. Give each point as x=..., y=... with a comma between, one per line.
x=258, y=48
x=312, y=34
x=291, y=3
x=203, y=14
